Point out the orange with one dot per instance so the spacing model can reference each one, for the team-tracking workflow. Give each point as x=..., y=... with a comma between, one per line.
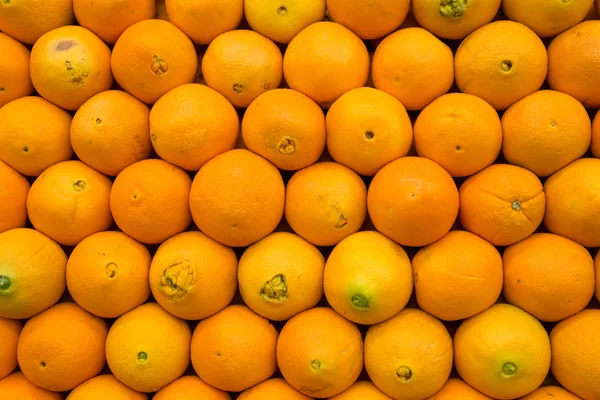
x=572, y=210
x=10, y=330
x=501, y=62
x=234, y=349
x=413, y=201
x=595, y=146
x=458, y=276
x=408, y=357
x=191, y=124
x=190, y=388
x=15, y=81
x=458, y=389
x=13, y=198
x=69, y=65
x=597, y=264
x=237, y=198
x=503, y=204
x=461, y=132
x=285, y=127
x=324, y=61
x=575, y=351
x=366, y=129
x=70, y=201
x=21, y=145
x=107, y=274
x=204, y=20
x=281, y=275
x=325, y=202
x=362, y=390
x=320, y=353
x=25, y=288
x=550, y=393
x=454, y=19
x=149, y=201
x=413, y=66
x=241, y=65
x=545, y=131
x=148, y=348
x=571, y=62
x=105, y=387
x=272, y=388
x=152, y=57
x=192, y=276
x=548, y=276
x=503, y=352
x=27, y=21
x=368, y=278
x=62, y=347
x=16, y=386
x=369, y=20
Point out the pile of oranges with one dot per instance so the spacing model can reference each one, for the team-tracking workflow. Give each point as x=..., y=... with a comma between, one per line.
x=299, y=199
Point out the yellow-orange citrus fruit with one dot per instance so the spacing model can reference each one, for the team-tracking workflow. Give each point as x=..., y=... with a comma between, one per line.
x=190, y=388
x=595, y=146
x=362, y=390
x=550, y=393
x=26, y=21
x=458, y=389
x=105, y=387
x=16, y=386
x=272, y=388
x=10, y=329
x=13, y=198
x=369, y=20
x=15, y=81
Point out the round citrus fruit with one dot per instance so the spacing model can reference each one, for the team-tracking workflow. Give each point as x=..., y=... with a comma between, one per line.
x=16, y=386
x=362, y=390
x=105, y=387
x=13, y=198
x=550, y=393
x=458, y=389
x=190, y=388
x=10, y=329
x=15, y=81
x=272, y=388
x=369, y=20
x=27, y=20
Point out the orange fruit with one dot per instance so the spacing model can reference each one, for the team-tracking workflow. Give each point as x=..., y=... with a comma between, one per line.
x=454, y=19
x=320, y=353
x=281, y=275
x=27, y=21
x=62, y=347
x=459, y=131
x=13, y=198
x=69, y=65
x=572, y=210
x=413, y=201
x=191, y=124
x=237, y=198
x=234, y=349
x=409, y=356
x=458, y=276
x=501, y=62
x=192, y=276
x=550, y=393
x=597, y=265
x=324, y=61
x=16, y=386
x=503, y=352
x=362, y=390
x=458, y=389
x=148, y=348
x=111, y=131
x=325, y=202
x=369, y=20
x=21, y=145
x=10, y=330
x=149, y=201
x=190, y=388
x=70, y=201
x=570, y=62
x=595, y=146
x=366, y=129
x=107, y=274
x=548, y=276
x=503, y=204
x=272, y=388
x=15, y=81
x=103, y=387
x=413, y=66
x=152, y=57
x=285, y=127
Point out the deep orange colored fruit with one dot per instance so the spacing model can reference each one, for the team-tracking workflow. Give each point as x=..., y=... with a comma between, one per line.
x=362, y=390
x=13, y=198
x=369, y=20
x=272, y=388
x=550, y=393
x=10, y=329
x=27, y=21
x=190, y=388
x=15, y=81
x=595, y=146
x=105, y=387
x=458, y=389
x=16, y=386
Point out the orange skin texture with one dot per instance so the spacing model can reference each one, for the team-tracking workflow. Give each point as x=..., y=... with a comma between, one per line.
x=366, y=129
x=148, y=348
x=595, y=146
x=152, y=57
x=550, y=393
x=412, y=344
x=62, y=347
x=501, y=62
x=320, y=353
x=18, y=387
x=458, y=389
x=190, y=388
x=111, y=131
x=325, y=203
x=10, y=329
x=549, y=276
x=458, y=276
x=149, y=201
x=107, y=274
x=15, y=81
x=70, y=201
x=27, y=21
x=369, y=19
x=503, y=204
x=281, y=253
x=575, y=351
x=413, y=201
x=21, y=145
x=234, y=349
x=324, y=61
x=459, y=131
x=413, y=66
x=285, y=127
x=597, y=265
x=105, y=387
x=361, y=390
x=13, y=198
x=272, y=388
x=545, y=131
x=237, y=198
x=572, y=210
x=191, y=124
